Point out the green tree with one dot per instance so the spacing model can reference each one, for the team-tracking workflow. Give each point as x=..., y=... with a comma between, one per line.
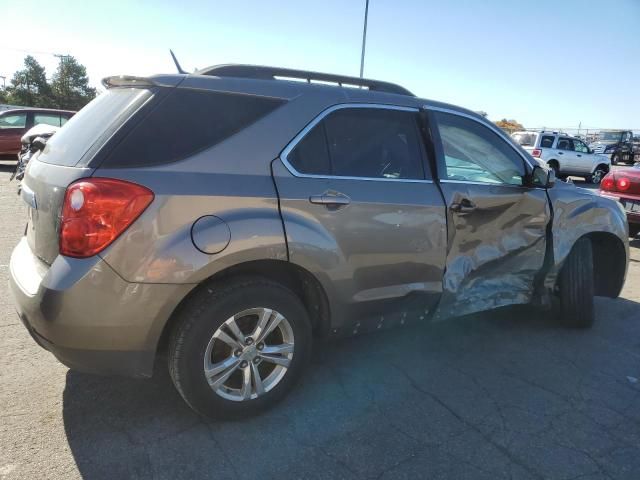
x=509, y=126
x=29, y=86
x=70, y=85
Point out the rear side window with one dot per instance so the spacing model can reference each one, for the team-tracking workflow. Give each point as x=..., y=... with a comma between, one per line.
x=47, y=119
x=547, y=141
x=186, y=122
x=87, y=130
x=363, y=143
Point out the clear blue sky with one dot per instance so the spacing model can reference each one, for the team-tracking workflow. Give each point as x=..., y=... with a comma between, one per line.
x=545, y=63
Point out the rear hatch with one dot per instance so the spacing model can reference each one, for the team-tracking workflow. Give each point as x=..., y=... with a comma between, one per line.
x=68, y=157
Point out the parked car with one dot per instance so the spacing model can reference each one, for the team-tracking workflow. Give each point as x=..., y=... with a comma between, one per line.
x=623, y=185
x=566, y=155
x=32, y=143
x=15, y=123
x=618, y=145
x=233, y=216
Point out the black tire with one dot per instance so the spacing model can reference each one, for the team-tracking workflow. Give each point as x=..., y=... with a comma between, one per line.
x=204, y=313
x=634, y=230
x=576, y=287
x=597, y=176
x=555, y=167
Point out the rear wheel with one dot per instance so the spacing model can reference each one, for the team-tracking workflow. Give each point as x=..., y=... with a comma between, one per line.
x=575, y=287
x=555, y=167
x=238, y=348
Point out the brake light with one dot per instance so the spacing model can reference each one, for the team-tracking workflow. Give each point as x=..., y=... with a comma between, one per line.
x=623, y=184
x=608, y=183
x=96, y=211
x=536, y=153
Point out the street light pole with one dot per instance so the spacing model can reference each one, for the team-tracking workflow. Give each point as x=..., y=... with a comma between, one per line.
x=364, y=37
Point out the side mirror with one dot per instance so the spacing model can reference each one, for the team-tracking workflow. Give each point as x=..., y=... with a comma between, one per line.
x=543, y=177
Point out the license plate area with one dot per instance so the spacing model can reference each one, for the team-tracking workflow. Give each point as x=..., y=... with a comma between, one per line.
x=632, y=206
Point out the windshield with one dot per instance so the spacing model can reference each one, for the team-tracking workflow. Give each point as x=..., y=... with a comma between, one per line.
x=610, y=136
x=526, y=139
x=88, y=129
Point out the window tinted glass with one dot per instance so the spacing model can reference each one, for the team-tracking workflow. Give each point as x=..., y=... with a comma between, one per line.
x=565, y=144
x=374, y=143
x=47, y=119
x=16, y=120
x=474, y=153
x=63, y=120
x=89, y=128
x=547, y=141
x=526, y=139
x=186, y=122
x=311, y=155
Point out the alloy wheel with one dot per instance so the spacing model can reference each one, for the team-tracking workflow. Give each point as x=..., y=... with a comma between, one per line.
x=249, y=354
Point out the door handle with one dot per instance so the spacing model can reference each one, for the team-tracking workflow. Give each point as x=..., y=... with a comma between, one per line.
x=579, y=155
x=560, y=153
x=330, y=200
x=463, y=207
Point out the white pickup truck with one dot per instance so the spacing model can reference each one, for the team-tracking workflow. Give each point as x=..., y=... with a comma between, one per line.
x=568, y=156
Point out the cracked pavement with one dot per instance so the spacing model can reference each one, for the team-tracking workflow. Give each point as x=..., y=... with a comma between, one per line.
x=507, y=394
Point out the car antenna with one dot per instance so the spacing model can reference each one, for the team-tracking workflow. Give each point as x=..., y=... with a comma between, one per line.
x=175, y=60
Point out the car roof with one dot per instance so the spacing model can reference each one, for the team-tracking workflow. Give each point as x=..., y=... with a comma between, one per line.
x=34, y=109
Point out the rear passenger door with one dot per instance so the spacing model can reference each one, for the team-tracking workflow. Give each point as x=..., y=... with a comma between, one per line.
x=496, y=220
x=567, y=155
x=362, y=213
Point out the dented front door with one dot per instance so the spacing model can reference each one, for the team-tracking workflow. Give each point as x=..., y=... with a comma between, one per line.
x=496, y=225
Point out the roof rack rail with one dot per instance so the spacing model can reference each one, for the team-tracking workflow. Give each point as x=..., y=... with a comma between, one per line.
x=275, y=73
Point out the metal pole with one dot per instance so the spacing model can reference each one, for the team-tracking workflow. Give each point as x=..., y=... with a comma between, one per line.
x=364, y=37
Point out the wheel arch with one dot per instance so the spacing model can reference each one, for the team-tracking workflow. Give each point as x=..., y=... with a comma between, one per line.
x=299, y=280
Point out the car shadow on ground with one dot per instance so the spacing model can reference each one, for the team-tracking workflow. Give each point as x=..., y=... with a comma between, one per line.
x=508, y=393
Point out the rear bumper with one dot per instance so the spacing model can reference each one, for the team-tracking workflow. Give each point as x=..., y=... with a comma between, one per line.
x=632, y=217
x=87, y=316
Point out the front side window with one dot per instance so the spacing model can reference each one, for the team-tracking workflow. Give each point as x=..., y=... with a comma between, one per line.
x=473, y=153
x=47, y=119
x=547, y=141
x=364, y=143
x=16, y=120
x=565, y=144
x=580, y=147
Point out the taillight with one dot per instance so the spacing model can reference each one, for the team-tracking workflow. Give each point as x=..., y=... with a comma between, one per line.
x=608, y=183
x=536, y=153
x=623, y=184
x=96, y=211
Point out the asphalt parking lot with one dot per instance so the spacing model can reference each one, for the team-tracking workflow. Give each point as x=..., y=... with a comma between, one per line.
x=507, y=394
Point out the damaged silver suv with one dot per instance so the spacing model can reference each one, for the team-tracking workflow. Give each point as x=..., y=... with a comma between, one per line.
x=233, y=216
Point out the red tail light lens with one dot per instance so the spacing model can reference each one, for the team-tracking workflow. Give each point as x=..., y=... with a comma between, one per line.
x=536, y=153
x=608, y=183
x=623, y=184
x=96, y=211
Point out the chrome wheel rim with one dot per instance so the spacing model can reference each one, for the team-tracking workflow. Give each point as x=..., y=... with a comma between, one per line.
x=249, y=354
x=597, y=176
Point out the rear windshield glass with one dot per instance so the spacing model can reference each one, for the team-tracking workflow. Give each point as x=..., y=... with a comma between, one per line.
x=88, y=129
x=186, y=122
x=525, y=139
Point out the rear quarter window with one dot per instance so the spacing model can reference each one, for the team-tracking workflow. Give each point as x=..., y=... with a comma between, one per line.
x=185, y=122
x=547, y=141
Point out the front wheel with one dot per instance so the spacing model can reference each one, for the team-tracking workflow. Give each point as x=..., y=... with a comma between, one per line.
x=597, y=175
x=239, y=347
x=576, y=287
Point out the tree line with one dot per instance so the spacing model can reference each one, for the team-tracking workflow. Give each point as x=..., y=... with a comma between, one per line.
x=68, y=88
